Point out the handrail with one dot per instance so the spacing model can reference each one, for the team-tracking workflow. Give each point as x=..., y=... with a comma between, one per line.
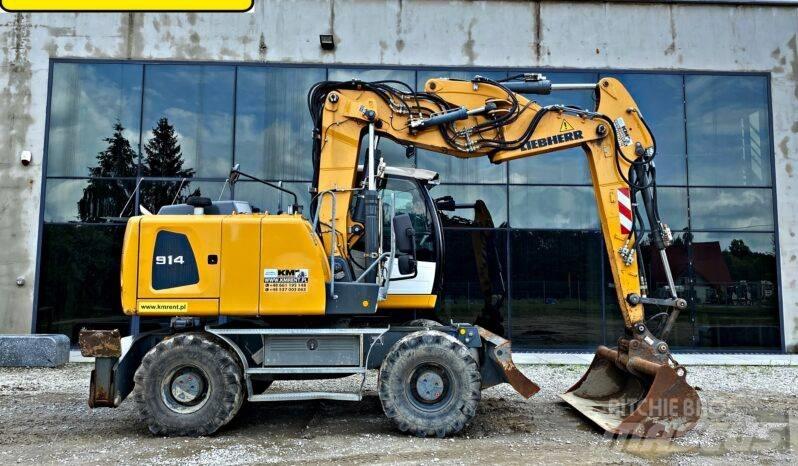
x=333, y=243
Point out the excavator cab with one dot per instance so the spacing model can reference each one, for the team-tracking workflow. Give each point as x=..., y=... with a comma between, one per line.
x=406, y=191
x=409, y=191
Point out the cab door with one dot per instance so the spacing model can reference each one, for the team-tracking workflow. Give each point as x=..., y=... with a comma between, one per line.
x=179, y=258
x=411, y=198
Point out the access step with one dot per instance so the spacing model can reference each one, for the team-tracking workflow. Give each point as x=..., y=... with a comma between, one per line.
x=304, y=396
x=307, y=370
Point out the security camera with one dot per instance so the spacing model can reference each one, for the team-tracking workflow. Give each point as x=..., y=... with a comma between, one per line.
x=25, y=157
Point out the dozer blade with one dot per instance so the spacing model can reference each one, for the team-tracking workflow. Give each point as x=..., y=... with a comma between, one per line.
x=498, y=366
x=633, y=396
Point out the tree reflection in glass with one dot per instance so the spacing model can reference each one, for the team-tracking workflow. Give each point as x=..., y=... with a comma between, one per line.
x=103, y=199
x=165, y=159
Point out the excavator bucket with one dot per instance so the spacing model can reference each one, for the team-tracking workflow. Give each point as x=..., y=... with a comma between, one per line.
x=633, y=396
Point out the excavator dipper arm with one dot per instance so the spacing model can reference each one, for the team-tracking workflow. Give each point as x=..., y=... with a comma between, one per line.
x=486, y=118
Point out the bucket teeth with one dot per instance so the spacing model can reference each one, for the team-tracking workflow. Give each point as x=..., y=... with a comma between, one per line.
x=636, y=397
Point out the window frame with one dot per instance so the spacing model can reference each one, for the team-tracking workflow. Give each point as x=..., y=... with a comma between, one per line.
x=237, y=65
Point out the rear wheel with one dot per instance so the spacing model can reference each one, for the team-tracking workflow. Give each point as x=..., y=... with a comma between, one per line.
x=188, y=385
x=429, y=384
x=424, y=323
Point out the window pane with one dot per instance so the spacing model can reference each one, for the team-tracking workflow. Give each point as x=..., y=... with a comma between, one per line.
x=731, y=209
x=565, y=166
x=494, y=197
x=555, y=280
x=456, y=170
x=453, y=169
x=88, y=99
x=273, y=127
x=91, y=201
x=271, y=200
x=553, y=207
x=79, y=280
x=660, y=98
x=736, y=290
x=378, y=74
x=672, y=208
x=197, y=101
x=681, y=335
x=411, y=201
x=728, y=135
x=464, y=297
x=155, y=194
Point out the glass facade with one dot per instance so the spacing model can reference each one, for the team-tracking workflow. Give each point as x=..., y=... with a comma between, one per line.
x=127, y=136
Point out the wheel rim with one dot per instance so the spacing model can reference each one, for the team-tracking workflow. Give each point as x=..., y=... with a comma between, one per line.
x=185, y=389
x=429, y=386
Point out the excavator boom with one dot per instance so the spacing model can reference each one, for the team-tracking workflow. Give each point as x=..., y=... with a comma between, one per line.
x=487, y=118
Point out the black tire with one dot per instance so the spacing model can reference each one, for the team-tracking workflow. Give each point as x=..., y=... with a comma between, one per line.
x=188, y=385
x=418, y=360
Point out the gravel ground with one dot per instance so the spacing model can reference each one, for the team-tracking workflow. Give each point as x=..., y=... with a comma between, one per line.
x=750, y=415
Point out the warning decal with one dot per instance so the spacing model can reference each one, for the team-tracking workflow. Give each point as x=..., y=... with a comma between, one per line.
x=625, y=210
x=624, y=139
x=565, y=126
x=285, y=280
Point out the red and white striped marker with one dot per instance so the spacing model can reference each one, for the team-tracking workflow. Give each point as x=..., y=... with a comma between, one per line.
x=625, y=210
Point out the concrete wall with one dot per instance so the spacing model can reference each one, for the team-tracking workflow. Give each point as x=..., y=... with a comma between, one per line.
x=457, y=33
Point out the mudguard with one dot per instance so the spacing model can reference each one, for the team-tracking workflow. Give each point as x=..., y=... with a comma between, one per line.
x=112, y=377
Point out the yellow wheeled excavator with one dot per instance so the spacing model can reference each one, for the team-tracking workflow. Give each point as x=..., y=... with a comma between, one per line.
x=252, y=298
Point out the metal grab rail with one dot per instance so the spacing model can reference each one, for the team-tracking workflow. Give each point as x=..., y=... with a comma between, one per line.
x=333, y=239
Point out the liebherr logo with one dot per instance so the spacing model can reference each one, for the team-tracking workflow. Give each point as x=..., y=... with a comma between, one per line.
x=553, y=140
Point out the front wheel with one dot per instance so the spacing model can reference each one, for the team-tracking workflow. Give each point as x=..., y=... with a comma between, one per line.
x=429, y=384
x=188, y=385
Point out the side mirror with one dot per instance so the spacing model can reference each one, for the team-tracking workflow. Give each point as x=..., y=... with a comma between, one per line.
x=406, y=264
x=405, y=234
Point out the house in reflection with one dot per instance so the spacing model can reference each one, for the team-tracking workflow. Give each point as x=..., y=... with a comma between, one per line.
x=712, y=281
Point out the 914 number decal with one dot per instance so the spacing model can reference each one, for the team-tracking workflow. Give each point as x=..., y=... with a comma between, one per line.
x=169, y=260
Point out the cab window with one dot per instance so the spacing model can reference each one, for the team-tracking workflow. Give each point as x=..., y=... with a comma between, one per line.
x=407, y=198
